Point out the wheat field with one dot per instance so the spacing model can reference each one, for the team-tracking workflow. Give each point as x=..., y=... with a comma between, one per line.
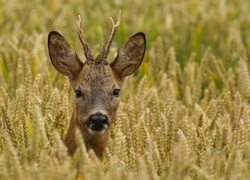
x=185, y=114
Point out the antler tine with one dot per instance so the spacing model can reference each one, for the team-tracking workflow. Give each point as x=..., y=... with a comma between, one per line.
x=113, y=31
x=85, y=45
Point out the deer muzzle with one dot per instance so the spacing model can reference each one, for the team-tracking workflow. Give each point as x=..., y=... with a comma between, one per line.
x=97, y=123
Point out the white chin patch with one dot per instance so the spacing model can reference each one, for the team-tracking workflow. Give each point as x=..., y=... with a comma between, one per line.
x=100, y=132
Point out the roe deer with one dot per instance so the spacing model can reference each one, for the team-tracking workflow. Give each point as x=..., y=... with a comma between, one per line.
x=96, y=84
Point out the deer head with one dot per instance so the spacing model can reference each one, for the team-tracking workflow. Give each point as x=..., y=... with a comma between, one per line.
x=96, y=83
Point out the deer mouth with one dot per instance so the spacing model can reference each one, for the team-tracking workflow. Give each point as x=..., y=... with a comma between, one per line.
x=97, y=124
x=97, y=130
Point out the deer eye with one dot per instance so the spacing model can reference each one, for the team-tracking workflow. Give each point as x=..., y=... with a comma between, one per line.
x=78, y=93
x=116, y=92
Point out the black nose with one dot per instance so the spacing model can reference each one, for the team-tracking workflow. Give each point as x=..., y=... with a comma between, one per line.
x=97, y=120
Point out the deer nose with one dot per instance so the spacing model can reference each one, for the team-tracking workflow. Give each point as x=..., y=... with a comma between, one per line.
x=99, y=119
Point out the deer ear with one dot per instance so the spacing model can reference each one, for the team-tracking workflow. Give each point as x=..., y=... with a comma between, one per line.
x=130, y=56
x=63, y=55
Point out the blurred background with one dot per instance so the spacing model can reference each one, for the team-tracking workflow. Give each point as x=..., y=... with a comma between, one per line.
x=190, y=27
x=184, y=114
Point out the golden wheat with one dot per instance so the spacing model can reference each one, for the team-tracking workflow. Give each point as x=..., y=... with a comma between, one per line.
x=184, y=115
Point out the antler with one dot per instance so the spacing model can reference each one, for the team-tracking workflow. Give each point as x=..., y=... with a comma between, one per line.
x=85, y=45
x=113, y=31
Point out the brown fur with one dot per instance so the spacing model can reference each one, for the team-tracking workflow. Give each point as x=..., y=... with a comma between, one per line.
x=96, y=81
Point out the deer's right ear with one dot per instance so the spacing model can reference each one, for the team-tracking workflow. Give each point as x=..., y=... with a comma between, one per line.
x=130, y=56
x=63, y=56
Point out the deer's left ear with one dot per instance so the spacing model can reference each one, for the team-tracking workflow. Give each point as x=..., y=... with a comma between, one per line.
x=130, y=56
x=63, y=55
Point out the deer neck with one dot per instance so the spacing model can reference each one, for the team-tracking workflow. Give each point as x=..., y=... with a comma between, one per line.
x=96, y=142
